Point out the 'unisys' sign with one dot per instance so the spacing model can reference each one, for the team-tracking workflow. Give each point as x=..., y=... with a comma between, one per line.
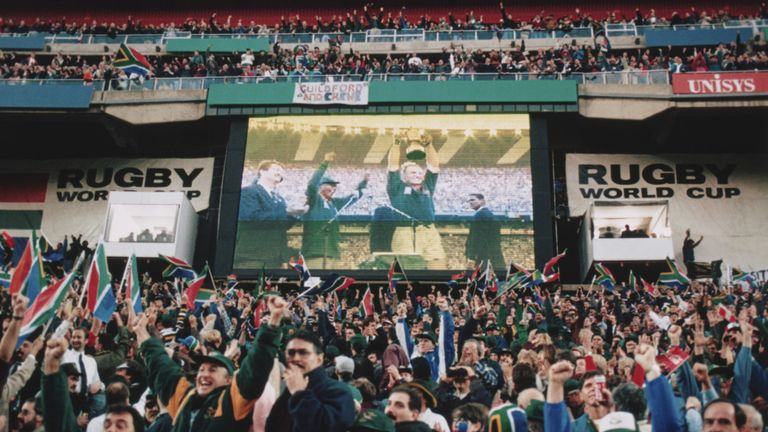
x=720, y=83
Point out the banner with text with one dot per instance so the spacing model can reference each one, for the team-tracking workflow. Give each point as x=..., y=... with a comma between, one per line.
x=341, y=93
x=721, y=197
x=722, y=83
x=71, y=195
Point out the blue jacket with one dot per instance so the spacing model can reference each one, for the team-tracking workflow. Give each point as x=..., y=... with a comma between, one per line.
x=445, y=352
x=326, y=405
x=661, y=405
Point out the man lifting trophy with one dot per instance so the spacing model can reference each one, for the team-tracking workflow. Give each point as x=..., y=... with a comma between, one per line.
x=411, y=189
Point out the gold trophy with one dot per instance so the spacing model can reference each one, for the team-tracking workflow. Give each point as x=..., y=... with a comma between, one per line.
x=416, y=143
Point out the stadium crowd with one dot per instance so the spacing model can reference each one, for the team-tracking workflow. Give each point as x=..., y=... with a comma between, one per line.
x=370, y=17
x=463, y=356
x=454, y=62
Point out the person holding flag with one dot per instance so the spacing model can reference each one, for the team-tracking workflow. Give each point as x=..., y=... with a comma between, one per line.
x=439, y=350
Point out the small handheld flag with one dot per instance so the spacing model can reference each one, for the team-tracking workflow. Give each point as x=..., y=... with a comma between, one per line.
x=675, y=277
x=604, y=277
x=101, y=299
x=366, y=304
x=301, y=268
x=177, y=267
x=131, y=284
x=201, y=289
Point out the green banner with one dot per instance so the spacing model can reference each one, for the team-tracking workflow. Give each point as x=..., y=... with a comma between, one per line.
x=381, y=92
x=217, y=45
x=21, y=219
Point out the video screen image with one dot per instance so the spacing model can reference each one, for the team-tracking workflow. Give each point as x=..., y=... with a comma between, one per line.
x=439, y=192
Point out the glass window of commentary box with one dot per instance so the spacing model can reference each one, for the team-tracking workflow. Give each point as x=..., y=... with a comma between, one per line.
x=142, y=223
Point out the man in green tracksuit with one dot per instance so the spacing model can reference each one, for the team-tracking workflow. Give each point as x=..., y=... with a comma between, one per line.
x=220, y=399
x=320, y=245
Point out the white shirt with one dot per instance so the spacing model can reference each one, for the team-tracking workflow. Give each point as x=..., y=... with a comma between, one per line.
x=434, y=419
x=247, y=59
x=91, y=371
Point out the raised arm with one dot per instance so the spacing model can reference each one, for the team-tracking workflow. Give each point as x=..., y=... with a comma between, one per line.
x=658, y=392
x=254, y=371
x=433, y=159
x=59, y=416
x=165, y=377
x=393, y=160
x=8, y=343
x=555, y=411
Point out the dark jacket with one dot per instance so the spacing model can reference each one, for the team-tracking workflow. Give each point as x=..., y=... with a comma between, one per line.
x=227, y=408
x=412, y=426
x=59, y=414
x=325, y=406
x=484, y=240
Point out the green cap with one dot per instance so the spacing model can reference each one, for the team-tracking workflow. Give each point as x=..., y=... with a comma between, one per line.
x=427, y=335
x=373, y=420
x=535, y=410
x=219, y=359
x=427, y=390
x=328, y=180
x=572, y=385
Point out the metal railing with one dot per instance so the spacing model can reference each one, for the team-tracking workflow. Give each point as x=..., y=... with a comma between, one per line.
x=200, y=83
x=648, y=77
x=386, y=35
x=630, y=29
x=370, y=36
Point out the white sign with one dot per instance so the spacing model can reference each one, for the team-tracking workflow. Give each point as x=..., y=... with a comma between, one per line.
x=722, y=197
x=330, y=93
x=72, y=194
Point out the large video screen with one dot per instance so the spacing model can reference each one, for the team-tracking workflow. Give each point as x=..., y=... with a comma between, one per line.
x=439, y=192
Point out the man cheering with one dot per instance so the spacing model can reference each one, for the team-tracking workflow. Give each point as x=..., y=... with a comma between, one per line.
x=411, y=190
x=311, y=400
x=321, y=224
x=220, y=399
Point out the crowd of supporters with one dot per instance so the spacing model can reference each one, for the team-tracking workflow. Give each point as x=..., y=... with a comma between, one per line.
x=316, y=63
x=424, y=358
x=370, y=17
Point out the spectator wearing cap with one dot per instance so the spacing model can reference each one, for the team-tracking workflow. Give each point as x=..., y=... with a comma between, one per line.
x=345, y=369
x=311, y=401
x=320, y=245
x=507, y=418
x=134, y=374
x=439, y=353
x=429, y=402
x=404, y=408
x=461, y=386
x=219, y=398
